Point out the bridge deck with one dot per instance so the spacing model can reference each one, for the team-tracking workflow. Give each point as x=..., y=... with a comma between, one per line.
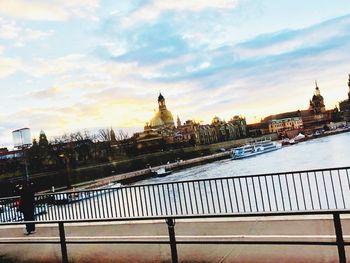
x=297, y=228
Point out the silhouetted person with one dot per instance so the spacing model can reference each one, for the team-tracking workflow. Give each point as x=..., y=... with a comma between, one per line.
x=27, y=206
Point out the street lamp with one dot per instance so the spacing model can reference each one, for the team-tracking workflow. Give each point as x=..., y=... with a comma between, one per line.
x=67, y=159
x=21, y=140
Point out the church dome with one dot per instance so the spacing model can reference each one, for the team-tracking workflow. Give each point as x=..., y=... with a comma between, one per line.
x=163, y=117
x=156, y=120
x=167, y=117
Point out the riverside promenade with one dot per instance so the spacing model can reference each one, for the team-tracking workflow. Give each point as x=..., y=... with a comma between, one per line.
x=296, y=216
x=255, y=229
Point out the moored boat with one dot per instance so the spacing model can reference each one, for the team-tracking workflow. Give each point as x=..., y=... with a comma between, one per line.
x=255, y=149
x=162, y=172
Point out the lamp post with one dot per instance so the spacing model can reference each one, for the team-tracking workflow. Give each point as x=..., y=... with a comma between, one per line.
x=67, y=160
x=22, y=140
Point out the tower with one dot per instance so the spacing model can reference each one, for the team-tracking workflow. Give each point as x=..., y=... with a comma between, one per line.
x=163, y=118
x=43, y=142
x=349, y=89
x=317, y=103
x=317, y=90
x=113, y=138
x=161, y=102
x=178, y=122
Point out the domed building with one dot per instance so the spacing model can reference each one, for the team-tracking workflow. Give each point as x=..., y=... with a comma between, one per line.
x=317, y=103
x=163, y=117
x=344, y=106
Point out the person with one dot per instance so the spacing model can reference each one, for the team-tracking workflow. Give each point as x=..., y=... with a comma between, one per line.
x=27, y=206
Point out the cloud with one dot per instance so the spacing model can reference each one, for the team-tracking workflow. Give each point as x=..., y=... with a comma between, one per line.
x=290, y=40
x=57, y=66
x=9, y=30
x=233, y=76
x=45, y=93
x=152, y=10
x=119, y=87
x=54, y=10
x=9, y=66
x=14, y=34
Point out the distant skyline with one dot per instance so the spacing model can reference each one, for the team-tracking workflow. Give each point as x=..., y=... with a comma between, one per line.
x=88, y=64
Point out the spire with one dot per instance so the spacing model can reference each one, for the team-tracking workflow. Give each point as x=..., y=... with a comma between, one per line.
x=317, y=92
x=112, y=136
x=160, y=97
x=161, y=102
x=178, y=121
x=349, y=89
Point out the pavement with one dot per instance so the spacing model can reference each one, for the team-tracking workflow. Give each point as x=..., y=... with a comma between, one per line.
x=297, y=228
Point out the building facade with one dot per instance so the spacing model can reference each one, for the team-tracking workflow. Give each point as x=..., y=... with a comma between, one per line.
x=280, y=126
x=344, y=106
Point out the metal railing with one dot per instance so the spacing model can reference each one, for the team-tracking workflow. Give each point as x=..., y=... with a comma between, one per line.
x=63, y=240
x=309, y=190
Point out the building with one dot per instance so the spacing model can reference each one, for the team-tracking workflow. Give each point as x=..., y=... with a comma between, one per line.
x=163, y=117
x=159, y=133
x=6, y=154
x=240, y=125
x=258, y=129
x=220, y=130
x=344, y=106
x=317, y=103
x=280, y=126
x=187, y=131
x=314, y=118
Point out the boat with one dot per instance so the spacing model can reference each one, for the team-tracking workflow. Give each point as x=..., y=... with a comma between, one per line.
x=299, y=137
x=162, y=172
x=288, y=141
x=256, y=148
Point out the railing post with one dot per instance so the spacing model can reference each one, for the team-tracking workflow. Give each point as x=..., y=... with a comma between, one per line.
x=171, y=230
x=339, y=238
x=63, y=242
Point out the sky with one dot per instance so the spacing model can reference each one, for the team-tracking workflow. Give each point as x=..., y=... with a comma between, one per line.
x=68, y=66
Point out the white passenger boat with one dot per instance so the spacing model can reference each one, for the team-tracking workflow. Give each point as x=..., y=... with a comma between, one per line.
x=255, y=149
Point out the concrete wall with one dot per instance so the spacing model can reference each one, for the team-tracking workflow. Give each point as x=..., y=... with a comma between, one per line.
x=311, y=228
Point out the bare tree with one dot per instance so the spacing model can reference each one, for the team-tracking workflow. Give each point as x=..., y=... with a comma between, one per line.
x=104, y=135
x=122, y=135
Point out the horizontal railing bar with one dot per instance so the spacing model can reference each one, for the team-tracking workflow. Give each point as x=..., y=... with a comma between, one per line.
x=30, y=241
x=193, y=242
x=194, y=216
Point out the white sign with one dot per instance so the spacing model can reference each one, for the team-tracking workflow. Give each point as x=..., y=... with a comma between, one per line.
x=22, y=138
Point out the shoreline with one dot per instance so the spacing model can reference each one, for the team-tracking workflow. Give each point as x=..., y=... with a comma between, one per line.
x=147, y=173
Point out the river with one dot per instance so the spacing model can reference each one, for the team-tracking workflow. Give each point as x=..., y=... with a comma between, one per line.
x=324, y=152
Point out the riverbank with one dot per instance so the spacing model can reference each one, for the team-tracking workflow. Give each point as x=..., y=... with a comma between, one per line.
x=128, y=168
x=148, y=172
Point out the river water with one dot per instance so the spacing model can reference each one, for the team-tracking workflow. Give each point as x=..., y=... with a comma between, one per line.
x=325, y=152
